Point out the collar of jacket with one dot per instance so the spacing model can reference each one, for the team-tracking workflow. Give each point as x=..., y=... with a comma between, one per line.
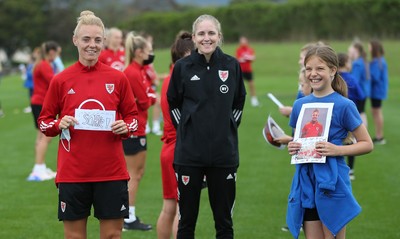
x=201, y=59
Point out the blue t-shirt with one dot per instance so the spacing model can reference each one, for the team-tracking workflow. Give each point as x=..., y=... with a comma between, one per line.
x=379, y=78
x=345, y=116
x=359, y=72
x=28, y=83
x=355, y=92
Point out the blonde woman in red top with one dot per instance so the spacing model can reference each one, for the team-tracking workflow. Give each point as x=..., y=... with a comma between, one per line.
x=137, y=53
x=91, y=168
x=42, y=75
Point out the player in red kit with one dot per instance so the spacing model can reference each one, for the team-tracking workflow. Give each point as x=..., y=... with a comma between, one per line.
x=138, y=52
x=90, y=105
x=42, y=75
x=312, y=128
x=167, y=223
x=114, y=54
x=245, y=55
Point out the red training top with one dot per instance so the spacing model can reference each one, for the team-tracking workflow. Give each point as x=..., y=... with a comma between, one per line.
x=90, y=156
x=42, y=75
x=312, y=130
x=151, y=74
x=145, y=95
x=115, y=59
x=245, y=55
x=169, y=129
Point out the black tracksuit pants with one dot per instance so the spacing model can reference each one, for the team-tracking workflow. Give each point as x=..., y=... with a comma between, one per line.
x=221, y=184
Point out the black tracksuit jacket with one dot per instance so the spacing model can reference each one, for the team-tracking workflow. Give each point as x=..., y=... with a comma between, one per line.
x=206, y=102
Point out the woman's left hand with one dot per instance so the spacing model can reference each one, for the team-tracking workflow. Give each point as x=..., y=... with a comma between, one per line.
x=327, y=149
x=119, y=127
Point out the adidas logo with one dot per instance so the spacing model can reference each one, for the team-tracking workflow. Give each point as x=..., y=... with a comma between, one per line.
x=194, y=78
x=229, y=177
x=71, y=92
x=123, y=207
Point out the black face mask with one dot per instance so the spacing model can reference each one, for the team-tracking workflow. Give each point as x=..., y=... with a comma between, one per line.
x=150, y=60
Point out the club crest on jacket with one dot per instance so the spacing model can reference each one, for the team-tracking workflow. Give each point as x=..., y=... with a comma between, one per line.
x=223, y=75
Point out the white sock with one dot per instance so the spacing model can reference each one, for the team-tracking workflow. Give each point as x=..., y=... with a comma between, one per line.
x=39, y=168
x=132, y=215
x=156, y=125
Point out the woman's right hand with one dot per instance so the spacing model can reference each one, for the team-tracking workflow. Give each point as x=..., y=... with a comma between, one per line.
x=67, y=121
x=294, y=147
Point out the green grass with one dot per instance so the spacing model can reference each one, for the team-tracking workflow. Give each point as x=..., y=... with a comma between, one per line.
x=29, y=209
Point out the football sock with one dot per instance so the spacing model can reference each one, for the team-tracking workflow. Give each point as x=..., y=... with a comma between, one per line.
x=132, y=215
x=39, y=168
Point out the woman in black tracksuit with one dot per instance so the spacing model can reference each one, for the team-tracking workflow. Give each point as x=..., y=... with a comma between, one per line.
x=206, y=97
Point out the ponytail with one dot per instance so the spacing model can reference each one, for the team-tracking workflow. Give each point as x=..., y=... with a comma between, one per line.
x=339, y=85
x=133, y=42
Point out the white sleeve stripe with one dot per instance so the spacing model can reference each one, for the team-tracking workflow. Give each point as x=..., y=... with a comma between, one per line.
x=175, y=116
x=178, y=113
x=238, y=116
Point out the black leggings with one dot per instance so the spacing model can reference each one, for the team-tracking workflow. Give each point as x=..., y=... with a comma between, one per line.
x=221, y=184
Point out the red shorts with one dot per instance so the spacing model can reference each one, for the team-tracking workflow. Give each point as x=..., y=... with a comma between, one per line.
x=169, y=184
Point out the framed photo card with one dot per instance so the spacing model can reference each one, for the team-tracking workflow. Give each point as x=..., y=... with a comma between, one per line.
x=312, y=126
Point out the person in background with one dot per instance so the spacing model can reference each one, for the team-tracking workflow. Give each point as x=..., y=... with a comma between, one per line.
x=91, y=166
x=137, y=54
x=154, y=80
x=113, y=54
x=379, y=87
x=321, y=198
x=287, y=110
x=28, y=82
x=246, y=55
x=58, y=64
x=206, y=96
x=167, y=223
x=355, y=94
x=360, y=72
x=42, y=75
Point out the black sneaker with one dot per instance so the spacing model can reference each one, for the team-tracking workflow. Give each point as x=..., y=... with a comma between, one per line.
x=137, y=225
x=380, y=141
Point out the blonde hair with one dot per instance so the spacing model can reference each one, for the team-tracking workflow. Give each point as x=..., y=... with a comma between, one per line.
x=209, y=18
x=133, y=42
x=88, y=18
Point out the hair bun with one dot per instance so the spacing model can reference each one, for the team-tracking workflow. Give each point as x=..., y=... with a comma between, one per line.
x=185, y=35
x=86, y=13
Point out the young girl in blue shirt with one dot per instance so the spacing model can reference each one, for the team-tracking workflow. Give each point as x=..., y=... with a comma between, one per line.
x=379, y=87
x=321, y=199
x=355, y=94
x=360, y=71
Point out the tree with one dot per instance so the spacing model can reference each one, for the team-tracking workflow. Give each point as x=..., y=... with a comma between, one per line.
x=22, y=23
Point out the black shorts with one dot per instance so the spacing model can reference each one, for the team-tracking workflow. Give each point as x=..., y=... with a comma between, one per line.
x=375, y=103
x=360, y=104
x=311, y=215
x=36, y=109
x=109, y=200
x=134, y=145
x=248, y=76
